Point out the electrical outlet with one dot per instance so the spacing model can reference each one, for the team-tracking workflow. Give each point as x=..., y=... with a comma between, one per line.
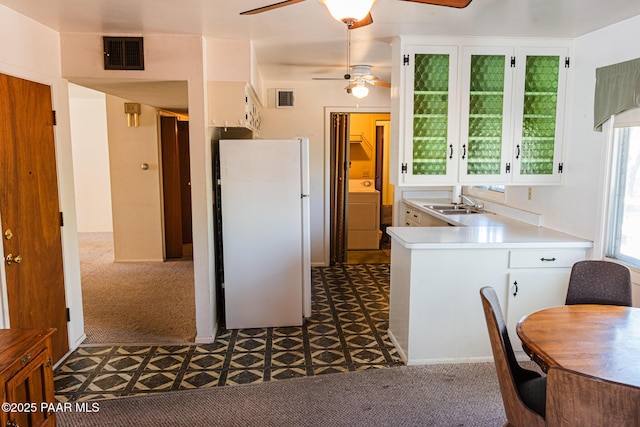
x=530, y=193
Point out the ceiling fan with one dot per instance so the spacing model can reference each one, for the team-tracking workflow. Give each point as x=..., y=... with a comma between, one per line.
x=360, y=15
x=359, y=77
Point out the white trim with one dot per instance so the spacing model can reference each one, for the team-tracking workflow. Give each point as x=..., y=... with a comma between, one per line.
x=327, y=166
x=600, y=242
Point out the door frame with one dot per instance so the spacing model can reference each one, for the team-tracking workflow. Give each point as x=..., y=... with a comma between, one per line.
x=327, y=166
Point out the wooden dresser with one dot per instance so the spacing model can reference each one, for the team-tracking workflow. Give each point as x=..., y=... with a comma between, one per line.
x=26, y=373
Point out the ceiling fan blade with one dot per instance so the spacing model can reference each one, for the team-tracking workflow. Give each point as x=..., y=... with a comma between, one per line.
x=451, y=3
x=380, y=83
x=270, y=7
x=328, y=78
x=361, y=23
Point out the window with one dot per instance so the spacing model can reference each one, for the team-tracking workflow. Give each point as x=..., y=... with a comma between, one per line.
x=498, y=188
x=492, y=193
x=623, y=242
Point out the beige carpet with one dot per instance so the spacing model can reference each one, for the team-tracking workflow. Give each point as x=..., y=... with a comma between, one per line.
x=134, y=302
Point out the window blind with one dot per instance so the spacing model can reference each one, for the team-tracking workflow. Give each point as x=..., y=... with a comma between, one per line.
x=617, y=90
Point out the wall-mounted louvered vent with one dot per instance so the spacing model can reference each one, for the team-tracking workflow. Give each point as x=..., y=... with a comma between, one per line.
x=284, y=98
x=123, y=53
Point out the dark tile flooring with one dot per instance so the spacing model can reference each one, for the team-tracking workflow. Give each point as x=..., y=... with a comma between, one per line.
x=346, y=332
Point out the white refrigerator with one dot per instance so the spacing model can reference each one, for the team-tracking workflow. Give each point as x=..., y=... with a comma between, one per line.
x=264, y=189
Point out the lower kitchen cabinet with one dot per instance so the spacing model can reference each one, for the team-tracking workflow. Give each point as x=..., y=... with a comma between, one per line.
x=537, y=279
x=414, y=218
x=26, y=372
x=435, y=311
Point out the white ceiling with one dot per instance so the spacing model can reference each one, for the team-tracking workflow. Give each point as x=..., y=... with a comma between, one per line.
x=301, y=41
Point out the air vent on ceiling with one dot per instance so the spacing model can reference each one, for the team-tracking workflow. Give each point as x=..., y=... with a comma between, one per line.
x=123, y=53
x=285, y=98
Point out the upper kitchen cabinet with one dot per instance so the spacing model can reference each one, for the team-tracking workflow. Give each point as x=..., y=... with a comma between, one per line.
x=485, y=114
x=541, y=78
x=478, y=112
x=430, y=123
x=234, y=104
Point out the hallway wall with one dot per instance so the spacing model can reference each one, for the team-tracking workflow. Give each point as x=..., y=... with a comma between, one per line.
x=90, y=149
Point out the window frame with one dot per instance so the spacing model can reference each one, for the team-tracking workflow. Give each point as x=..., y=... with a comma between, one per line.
x=615, y=197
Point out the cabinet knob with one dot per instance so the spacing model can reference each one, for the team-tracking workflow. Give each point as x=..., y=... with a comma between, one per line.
x=25, y=359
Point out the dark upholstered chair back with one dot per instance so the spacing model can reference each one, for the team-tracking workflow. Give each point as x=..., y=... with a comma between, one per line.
x=599, y=282
x=523, y=391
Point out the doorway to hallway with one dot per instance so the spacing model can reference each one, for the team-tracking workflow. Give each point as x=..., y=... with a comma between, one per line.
x=360, y=192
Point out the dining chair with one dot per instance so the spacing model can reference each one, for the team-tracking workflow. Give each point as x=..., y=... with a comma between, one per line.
x=577, y=399
x=523, y=391
x=599, y=282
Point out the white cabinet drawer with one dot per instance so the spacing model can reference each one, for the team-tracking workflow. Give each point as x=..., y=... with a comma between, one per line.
x=545, y=258
x=409, y=223
x=412, y=215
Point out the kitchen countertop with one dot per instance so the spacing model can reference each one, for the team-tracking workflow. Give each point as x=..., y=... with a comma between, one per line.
x=485, y=230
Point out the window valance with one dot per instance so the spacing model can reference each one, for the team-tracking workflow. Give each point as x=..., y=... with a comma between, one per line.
x=617, y=90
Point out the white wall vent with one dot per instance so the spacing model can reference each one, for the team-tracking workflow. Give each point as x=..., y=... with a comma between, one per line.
x=285, y=98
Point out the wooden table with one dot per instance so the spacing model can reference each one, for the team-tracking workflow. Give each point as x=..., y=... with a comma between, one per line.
x=598, y=340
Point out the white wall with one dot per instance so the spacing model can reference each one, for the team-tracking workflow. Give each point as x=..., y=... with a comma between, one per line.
x=307, y=119
x=34, y=54
x=90, y=159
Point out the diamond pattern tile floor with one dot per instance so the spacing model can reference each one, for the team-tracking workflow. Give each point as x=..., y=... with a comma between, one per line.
x=346, y=332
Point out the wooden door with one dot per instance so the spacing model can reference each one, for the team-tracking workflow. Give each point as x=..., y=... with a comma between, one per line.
x=29, y=210
x=171, y=187
x=185, y=181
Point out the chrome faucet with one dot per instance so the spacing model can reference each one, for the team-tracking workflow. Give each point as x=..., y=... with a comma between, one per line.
x=471, y=202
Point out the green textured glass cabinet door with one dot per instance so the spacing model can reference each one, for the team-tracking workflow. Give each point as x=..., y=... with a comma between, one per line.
x=429, y=154
x=485, y=132
x=538, y=142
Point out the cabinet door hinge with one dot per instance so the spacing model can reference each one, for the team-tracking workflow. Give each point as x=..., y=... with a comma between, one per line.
x=405, y=60
x=403, y=169
x=567, y=62
x=61, y=219
x=68, y=312
x=54, y=117
x=560, y=167
x=507, y=168
x=513, y=62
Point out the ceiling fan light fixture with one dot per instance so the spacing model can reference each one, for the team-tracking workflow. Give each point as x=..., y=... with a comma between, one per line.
x=348, y=11
x=360, y=90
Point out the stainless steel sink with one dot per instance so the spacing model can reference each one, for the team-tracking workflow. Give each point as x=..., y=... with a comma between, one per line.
x=454, y=209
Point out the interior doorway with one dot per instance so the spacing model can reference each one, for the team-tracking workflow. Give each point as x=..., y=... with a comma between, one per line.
x=360, y=192
x=147, y=300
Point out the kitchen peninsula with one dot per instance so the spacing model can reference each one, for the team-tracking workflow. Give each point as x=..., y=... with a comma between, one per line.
x=435, y=314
